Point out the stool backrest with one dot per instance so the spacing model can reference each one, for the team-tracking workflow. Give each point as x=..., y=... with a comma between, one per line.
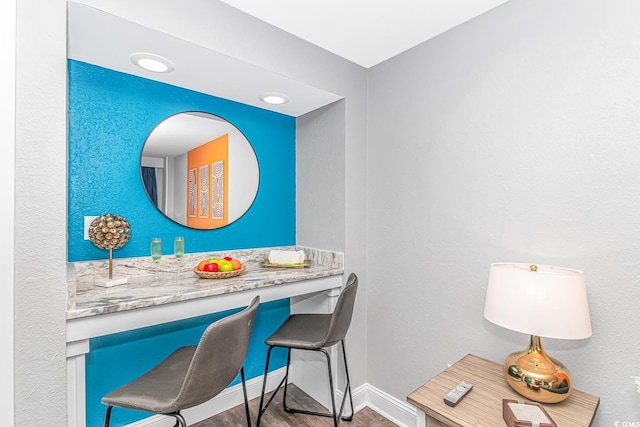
x=219, y=357
x=341, y=317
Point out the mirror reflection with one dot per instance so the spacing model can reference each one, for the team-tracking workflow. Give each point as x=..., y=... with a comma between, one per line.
x=199, y=170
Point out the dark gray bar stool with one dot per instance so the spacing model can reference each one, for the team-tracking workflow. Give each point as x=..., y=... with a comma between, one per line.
x=315, y=332
x=194, y=374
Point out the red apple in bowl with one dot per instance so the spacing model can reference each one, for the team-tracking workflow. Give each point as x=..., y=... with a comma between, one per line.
x=211, y=267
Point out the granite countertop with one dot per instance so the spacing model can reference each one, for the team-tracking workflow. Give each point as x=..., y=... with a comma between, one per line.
x=85, y=299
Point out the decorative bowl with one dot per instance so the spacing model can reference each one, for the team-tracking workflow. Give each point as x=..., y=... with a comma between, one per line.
x=219, y=274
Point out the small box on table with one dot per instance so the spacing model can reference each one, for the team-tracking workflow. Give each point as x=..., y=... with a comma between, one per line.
x=521, y=414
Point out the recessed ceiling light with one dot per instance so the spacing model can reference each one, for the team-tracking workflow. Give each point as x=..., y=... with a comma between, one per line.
x=152, y=62
x=274, y=98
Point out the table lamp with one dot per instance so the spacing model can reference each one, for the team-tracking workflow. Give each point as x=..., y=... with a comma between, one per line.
x=542, y=301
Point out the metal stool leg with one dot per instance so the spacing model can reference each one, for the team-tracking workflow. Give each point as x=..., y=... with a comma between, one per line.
x=107, y=417
x=286, y=375
x=180, y=421
x=246, y=399
x=261, y=409
x=347, y=387
x=337, y=416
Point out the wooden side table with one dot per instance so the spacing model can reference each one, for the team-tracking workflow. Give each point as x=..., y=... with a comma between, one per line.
x=482, y=406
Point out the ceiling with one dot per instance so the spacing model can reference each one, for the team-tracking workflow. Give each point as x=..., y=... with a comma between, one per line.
x=101, y=38
x=366, y=32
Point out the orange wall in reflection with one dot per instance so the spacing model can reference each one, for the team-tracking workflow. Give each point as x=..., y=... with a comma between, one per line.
x=208, y=195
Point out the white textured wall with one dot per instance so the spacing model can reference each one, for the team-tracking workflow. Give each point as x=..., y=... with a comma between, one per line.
x=320, y=175
x=40, y=214
x=7, y=133
x=513, y=137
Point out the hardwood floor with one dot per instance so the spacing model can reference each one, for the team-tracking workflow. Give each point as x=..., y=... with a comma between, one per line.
x=276, y=417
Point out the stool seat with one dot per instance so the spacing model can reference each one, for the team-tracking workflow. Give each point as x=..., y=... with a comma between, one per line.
x=164, y=380
x=302, y=331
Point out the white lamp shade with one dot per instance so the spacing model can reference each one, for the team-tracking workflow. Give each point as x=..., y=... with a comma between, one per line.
x=550, y=302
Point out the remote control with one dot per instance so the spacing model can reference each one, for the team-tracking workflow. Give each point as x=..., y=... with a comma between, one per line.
x=457, y=393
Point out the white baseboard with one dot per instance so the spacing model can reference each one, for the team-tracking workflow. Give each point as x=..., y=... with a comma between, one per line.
x=397, y=411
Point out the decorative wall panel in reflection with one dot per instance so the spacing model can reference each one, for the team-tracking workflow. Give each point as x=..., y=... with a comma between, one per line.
x=204, y=192
x=217, y=190
x=192, y=203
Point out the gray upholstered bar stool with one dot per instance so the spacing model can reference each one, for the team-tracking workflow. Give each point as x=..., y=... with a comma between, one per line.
x=315, y=332
x=192, y=375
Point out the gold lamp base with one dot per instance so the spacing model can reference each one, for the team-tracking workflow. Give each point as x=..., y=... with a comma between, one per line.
x=537, y=376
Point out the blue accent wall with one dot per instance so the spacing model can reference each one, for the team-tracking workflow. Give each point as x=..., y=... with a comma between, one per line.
x=110, y=116
x=116, y=359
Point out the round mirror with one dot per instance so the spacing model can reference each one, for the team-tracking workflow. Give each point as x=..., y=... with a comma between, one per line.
x=199, y=170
